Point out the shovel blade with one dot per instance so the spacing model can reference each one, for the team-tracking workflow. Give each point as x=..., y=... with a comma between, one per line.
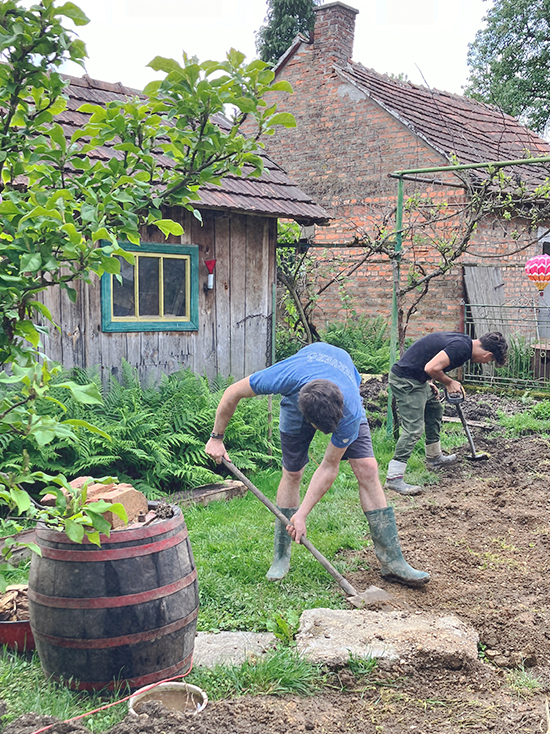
x=372, y=595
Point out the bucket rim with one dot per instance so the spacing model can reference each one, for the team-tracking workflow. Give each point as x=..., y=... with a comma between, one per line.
x=167, y=686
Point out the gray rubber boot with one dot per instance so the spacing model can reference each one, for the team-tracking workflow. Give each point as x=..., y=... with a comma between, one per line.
x=388, y=549
x=398, y=484
x=435, y=459
x=282, y=547
x=440, y=461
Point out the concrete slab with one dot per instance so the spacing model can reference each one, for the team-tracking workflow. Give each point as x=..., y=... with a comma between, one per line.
x=230, y=648
x=329, y=636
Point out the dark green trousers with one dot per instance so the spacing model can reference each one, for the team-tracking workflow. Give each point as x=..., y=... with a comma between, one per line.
x=419, y=410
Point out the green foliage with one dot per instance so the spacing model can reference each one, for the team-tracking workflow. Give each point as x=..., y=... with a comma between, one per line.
x=284, y=627
x=366, y=340
x=64, y=208
x=360, y=666
x=150, y=436
x=25, y=688
x=285, y=19
x=280, y=672
x=535, y=420
x=509, y=60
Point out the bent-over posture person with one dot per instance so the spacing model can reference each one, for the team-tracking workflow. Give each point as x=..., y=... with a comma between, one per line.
x=418, y=403
x=320, y=389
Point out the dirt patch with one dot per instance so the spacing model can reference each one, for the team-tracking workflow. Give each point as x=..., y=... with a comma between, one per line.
x=483, y=535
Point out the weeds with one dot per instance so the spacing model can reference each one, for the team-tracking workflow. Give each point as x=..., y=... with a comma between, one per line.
x=282, y=671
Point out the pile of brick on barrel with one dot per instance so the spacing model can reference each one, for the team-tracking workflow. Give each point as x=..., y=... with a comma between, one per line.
x=133, y=501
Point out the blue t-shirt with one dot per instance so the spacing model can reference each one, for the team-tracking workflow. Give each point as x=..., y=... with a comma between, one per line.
x=314, y=362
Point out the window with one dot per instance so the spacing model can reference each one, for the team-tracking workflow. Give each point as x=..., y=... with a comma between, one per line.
x=159, y=292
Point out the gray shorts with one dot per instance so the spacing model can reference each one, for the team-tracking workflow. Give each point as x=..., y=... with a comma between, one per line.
x=295, y=446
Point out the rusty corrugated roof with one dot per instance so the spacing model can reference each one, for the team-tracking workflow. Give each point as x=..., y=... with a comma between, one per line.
x=453, y=125
x=273, y=194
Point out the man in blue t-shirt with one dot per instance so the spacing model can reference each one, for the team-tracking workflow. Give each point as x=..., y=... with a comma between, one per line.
x=320, y=389
x=418, y=404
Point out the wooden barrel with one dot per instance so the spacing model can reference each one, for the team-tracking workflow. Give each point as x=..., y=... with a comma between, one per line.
x=125, y=612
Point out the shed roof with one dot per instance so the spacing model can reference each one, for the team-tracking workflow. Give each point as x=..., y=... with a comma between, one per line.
x=453, y=125
x=273, y=194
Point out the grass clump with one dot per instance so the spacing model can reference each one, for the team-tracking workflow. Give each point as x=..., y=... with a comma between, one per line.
x=282, y=671
x=25, y=688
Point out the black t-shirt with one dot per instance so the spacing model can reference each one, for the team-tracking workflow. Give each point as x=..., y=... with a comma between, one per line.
x=457, y=346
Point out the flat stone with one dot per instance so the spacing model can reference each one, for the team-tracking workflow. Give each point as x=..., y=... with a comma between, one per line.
x=230, y=648
x=330, y=636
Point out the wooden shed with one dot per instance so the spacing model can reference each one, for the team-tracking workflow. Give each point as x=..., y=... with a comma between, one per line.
x=163, y=316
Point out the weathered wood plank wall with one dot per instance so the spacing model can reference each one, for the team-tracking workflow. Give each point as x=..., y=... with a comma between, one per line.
x=234, y=335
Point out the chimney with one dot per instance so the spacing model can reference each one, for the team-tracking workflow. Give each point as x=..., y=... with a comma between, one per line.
x=334, y=31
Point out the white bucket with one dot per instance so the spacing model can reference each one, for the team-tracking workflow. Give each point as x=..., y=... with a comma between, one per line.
x=181, y=697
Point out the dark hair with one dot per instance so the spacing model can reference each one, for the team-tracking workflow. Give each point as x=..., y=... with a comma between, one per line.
x=322, y=404
x=495, y=343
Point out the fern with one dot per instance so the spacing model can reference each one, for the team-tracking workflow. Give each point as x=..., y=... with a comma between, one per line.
x=157, y=433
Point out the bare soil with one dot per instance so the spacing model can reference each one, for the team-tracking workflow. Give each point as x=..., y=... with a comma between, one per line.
x=483, y=535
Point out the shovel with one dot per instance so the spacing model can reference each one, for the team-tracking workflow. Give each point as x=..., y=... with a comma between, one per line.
x=359, y=599
x=456, y=398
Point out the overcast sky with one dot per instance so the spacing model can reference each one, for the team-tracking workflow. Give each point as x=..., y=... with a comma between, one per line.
x=425, y=39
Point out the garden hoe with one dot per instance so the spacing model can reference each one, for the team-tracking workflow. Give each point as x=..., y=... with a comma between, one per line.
x=456, y=398
x=371, y=595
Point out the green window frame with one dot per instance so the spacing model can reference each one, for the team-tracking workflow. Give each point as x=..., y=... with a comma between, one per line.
x=159, y=292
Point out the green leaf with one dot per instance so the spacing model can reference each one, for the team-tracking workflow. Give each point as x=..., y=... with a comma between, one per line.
x=168, y=226
x=84, y=394
x=21, y=499
x=72, y=11
x=282, y=86
x=30, y=262
x=74, y=531
x=160, y=63
x=282, y=118
x=98, y=521
x=27, y=330
x=78, y=423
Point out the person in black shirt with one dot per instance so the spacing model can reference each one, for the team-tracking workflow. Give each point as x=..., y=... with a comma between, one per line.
x=417, y=397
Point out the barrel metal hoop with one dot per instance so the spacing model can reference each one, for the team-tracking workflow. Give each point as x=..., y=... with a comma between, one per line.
x=98, y=644
x=143, y=680
x=111, y=602
x=113, y=554
x=121, y=535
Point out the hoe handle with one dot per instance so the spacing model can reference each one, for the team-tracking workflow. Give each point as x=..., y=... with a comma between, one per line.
x=327, y=565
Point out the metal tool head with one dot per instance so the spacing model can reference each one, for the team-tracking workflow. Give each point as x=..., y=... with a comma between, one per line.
x=481, y=456
x=372, y=595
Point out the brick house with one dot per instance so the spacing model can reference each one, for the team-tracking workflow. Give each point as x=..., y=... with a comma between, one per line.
x=354, y=128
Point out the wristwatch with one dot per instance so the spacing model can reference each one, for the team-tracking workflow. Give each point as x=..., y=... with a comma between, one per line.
x=218, y=436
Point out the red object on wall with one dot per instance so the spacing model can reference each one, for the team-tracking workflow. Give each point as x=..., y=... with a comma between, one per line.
x=210, y=265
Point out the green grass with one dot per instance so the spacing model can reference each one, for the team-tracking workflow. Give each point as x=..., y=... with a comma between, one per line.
x=24, y=688
x=282, y=671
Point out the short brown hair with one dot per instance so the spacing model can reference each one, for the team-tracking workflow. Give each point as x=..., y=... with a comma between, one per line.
x=495, y=343
x=322, y=404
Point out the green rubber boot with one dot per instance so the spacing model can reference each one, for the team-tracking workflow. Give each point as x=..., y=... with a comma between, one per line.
x=283, y=544
x=388, y=549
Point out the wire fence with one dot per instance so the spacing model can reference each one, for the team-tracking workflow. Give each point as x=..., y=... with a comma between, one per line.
x=526, y=326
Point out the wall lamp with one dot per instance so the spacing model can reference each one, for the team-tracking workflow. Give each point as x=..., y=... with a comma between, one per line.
x=210, y=264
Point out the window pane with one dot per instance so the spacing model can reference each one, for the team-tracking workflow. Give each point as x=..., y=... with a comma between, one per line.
x=175, y=287
x=149, y=286
x=123, y=293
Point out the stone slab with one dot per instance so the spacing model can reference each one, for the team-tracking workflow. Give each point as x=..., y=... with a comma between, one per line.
x=330, y=636
x=230, y=648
